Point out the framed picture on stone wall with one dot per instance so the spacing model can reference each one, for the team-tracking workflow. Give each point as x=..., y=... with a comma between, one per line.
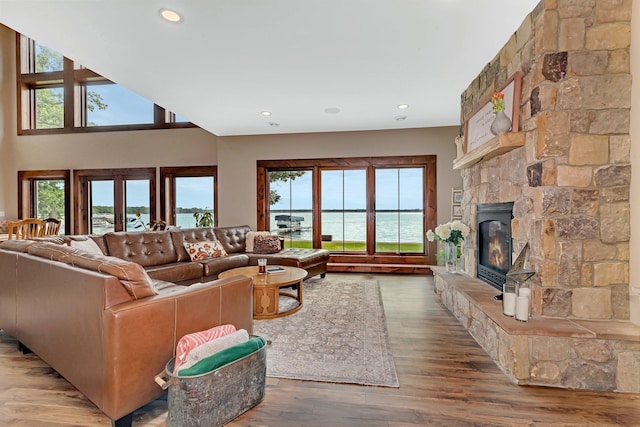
x=478, y=126
x=456, y=196
x=456, y=203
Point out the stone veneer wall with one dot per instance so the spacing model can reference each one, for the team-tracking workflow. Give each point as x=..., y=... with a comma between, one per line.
x=570, y=181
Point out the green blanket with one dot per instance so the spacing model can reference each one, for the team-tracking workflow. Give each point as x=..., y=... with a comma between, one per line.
x=223, y=357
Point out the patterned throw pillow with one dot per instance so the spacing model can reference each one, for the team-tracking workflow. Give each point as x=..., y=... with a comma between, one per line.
x=191, y=341
x=204, y=250
x=266, y=244
x=250, y=238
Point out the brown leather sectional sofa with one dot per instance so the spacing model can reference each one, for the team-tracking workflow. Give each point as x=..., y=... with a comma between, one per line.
x=163, y=256
x=109, y=323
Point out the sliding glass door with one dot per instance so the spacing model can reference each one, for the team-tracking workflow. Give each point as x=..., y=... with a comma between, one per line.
x=360, y=209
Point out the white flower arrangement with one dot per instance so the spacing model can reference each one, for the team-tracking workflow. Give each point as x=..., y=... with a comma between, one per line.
x=453, y=232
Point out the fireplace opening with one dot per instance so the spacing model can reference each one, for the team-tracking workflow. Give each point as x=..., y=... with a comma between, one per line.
x=495, y=245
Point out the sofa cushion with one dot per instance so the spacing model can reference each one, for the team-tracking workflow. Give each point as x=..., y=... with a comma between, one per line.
x=215, y=266
x=204, y=250
x=294, y=257
x=233, y=239
x=145, y=248
x=177, y=272
x=21, y=245
x=52, y=251
x=132, y=276
x=190, y=341
x=266, y=244
x=212, y=347
x=250, y=237
x=190, y=235
x=88, y=245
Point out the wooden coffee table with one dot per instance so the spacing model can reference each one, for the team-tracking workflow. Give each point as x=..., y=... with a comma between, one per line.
x=266, y=289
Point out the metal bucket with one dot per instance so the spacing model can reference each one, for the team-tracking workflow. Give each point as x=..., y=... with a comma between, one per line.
x=215, y=398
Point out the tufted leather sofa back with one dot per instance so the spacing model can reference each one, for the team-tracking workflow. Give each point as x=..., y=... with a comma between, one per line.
x=145, y=248
x=190, y=235
x=233, y=239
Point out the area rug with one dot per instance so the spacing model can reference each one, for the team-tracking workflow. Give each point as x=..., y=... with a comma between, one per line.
x=339, y=335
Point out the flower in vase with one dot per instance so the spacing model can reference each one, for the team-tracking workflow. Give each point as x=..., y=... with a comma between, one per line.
x=453, y=232
x=498, y=101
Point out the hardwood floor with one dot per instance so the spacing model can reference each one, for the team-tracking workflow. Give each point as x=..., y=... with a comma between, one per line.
x=446, y=379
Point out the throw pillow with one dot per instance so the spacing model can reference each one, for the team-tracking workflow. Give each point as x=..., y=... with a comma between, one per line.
x=88, y=245
x=250, y=238
x=266, y=244
x=204, y=250
x=224, y=357
x=212, y=347
x=191, y=341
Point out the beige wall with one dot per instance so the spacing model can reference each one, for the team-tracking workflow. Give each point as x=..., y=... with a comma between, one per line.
x=7, y=114
x=235, y=156
x=634, y=245
x=237, y=161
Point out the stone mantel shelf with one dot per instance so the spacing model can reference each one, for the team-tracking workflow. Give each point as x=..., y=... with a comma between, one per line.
x=499, y=144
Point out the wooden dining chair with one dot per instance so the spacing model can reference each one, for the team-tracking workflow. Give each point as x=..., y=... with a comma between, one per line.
x=51, y=227
x=26, y=228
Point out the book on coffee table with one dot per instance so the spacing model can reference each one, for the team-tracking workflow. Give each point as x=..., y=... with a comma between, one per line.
x=275, y=269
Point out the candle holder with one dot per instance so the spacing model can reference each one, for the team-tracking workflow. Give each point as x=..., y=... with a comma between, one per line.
x=516, y=291
x=509, y=295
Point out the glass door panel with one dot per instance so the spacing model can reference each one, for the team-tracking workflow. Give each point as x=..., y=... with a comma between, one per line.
x=291, y=207
x=411, y=210
x=102, y=206
x=399, y=210
x=49, y=199
x=193, y=194
x=136, y=200
x=344, y=210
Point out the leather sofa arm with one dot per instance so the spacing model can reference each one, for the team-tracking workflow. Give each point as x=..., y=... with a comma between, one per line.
x=140, y=336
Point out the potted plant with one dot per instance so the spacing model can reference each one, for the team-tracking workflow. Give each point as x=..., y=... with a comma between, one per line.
x=203, y=219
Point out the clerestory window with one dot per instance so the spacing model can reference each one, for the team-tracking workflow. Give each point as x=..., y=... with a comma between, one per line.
x=58, y=95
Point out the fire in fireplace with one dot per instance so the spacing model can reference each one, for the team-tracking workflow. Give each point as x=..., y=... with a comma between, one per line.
x=494, y=242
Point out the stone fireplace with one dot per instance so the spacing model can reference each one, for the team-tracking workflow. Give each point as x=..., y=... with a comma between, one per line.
x=566, y=171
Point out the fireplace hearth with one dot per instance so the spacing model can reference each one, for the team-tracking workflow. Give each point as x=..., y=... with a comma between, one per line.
x=495, y=245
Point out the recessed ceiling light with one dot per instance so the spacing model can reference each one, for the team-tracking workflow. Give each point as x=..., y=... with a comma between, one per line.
x=332, y=110
x=170, y=15
x=403, y=106
x=266, y=113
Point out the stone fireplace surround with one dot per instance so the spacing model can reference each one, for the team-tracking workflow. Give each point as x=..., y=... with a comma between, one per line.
x=569, y=182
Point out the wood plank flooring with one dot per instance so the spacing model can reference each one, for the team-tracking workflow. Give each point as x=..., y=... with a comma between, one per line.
x=446, y=379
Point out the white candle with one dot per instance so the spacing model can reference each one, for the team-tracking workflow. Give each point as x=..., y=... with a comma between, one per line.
x=522, y=308
x=525, y=292
x=509, y=303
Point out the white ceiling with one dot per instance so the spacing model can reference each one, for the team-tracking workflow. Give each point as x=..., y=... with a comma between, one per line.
x=229, y=60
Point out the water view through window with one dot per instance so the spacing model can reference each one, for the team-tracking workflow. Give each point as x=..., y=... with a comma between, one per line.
x=399, y=215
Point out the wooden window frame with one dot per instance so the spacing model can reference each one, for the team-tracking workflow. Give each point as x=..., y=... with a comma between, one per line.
x=72, y=80
x=81, y=179
x=26, y=193
x=168, y=188
x=316, y=165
